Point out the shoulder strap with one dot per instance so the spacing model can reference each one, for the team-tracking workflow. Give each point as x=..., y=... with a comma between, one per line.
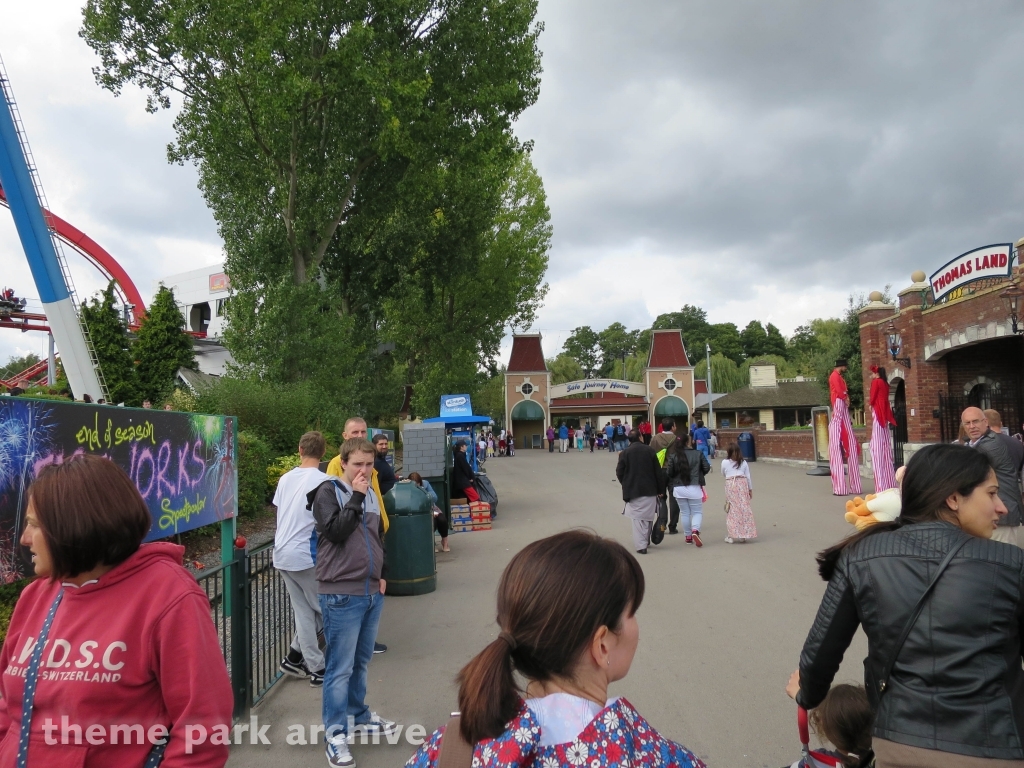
x=883, y=681
x=455, y=751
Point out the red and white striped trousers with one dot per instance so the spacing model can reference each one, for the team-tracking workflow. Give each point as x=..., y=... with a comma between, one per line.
x=837, y=427
x=881, y=455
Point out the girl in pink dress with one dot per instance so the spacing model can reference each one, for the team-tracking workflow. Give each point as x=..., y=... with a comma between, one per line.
x=739, y=490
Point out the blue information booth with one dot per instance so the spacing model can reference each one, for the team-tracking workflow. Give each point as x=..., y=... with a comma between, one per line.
x=460, y=422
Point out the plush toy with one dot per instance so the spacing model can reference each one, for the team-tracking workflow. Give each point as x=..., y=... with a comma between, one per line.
x=883, y=507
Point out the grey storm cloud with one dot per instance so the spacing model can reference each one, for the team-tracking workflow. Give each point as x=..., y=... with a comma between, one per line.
x=760, y=159
x=797, y=140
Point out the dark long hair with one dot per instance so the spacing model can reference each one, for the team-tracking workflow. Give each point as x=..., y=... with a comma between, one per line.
x=552, y=598
x=934, y=474
x=734, y=454
x=883, y=375
x=678, y=447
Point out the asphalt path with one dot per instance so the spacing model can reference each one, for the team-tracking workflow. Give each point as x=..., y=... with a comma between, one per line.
x=721, y=627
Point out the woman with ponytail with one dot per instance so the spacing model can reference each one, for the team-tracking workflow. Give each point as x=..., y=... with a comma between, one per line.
x=942, y=606
x=567, y=617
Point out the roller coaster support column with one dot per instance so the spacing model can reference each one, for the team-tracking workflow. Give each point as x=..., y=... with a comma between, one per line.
x=26, y=207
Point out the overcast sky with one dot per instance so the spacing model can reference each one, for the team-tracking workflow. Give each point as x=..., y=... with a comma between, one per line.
x=761, y=160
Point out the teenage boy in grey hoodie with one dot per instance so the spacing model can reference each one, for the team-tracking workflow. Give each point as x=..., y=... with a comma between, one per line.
x=350, y=573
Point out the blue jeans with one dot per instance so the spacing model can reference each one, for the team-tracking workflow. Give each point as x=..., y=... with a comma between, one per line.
x=350, y=628
x=691, y=511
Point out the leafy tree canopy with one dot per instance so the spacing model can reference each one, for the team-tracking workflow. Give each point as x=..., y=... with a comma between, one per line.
x=382, y=224
x=582, y=346
x=162, y=347
x=17, y=363
x=113, y=347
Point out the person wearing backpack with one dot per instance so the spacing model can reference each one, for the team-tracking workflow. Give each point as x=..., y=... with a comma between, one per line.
x=942, y=606
x=351, y=572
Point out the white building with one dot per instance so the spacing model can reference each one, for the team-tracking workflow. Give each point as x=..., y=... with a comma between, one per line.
x=201, y=295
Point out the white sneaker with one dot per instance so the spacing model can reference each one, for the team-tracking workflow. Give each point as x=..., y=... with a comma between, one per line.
x=338, y=754
x=377, y=726
x=728, y=540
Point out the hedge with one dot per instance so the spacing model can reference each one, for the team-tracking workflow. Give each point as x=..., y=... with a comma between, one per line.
x=9, y=594
x=254, y=456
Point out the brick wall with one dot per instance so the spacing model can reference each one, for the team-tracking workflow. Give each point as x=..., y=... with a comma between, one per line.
x=794, y=444
x=998, y=361
x=997, y=358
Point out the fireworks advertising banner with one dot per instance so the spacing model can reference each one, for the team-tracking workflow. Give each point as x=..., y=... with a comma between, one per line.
x=184, y=464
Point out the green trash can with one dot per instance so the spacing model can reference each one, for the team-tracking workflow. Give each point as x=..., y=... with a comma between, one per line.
x=410, y=541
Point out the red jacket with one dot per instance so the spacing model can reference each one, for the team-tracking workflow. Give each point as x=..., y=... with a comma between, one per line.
x=837, y=388
x=136, y=647
x=879, y=399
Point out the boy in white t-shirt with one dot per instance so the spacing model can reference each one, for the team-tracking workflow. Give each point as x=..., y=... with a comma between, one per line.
x=294, y=556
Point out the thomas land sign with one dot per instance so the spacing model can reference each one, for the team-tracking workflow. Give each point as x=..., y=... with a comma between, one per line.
x=979, y=264
x=184, y=464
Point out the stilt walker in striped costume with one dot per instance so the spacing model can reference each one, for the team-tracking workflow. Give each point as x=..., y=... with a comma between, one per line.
x=881, y=437
x=841, y=440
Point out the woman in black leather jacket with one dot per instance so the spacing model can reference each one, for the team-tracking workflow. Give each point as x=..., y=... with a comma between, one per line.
x=685, y=469
x=955, y=693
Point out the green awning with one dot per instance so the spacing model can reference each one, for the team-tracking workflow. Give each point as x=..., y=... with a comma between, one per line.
x=527, y=410
x=670, y=406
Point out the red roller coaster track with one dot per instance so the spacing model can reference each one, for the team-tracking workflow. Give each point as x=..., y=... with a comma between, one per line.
x=96, y=255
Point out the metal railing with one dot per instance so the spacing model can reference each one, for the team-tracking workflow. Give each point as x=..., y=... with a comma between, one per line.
x=271, y=619
x=253, y=618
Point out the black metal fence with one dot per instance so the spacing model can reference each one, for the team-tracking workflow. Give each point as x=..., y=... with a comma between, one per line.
x=899, y=432
x=253, y=617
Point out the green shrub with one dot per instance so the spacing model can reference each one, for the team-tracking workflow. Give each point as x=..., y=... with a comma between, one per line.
x=254, y=456
x=9, y=594
x=278, y=467
x=184, y=400
x=279, y=413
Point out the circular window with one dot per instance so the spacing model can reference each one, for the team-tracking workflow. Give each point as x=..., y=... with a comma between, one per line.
x=527, y=388
x=669, y=384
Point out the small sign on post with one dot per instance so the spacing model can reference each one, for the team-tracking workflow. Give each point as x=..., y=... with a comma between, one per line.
x=819, y=431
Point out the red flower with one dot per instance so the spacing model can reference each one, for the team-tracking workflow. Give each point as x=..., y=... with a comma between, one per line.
x=614, y=753
x=508, y=751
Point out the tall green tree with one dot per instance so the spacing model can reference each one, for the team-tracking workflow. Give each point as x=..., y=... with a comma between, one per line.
x=110, y=339
x=753, y=338
x=692, y=321
x=725, y=374
x=775, y=342
x=564, y=368
x=161, y=347
x=615, y=343
x=330, y=140
x=724, y=338
x=582, y=346
x=478, y=271
x=17, y=363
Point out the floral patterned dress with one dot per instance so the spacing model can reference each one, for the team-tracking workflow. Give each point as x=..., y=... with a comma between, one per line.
x=618, y=736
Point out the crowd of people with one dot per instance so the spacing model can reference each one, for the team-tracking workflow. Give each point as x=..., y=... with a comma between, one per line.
x=664, y=483
x=939, y=593
x=614, y=437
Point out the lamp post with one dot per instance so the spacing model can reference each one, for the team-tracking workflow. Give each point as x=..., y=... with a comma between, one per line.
x=896, y=345
x=1012, y=297
x=711, y=405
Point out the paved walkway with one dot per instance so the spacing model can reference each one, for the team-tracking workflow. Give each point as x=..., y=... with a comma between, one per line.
x=721, y=627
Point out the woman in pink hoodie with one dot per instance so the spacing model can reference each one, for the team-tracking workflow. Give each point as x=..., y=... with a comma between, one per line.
x=112, y=647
